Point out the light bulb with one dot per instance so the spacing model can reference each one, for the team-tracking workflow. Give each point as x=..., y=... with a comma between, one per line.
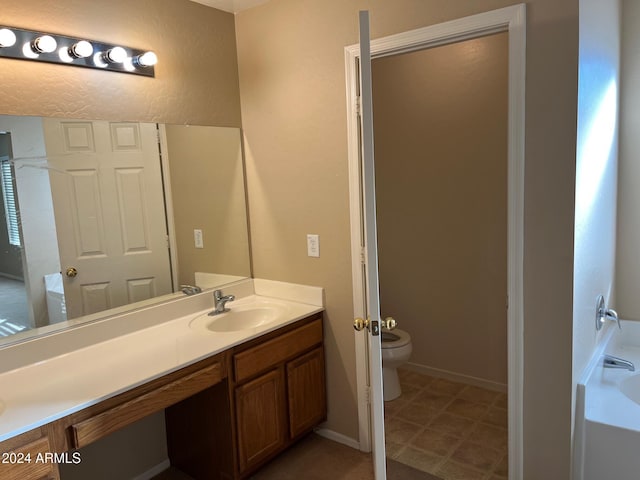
x=27, y=51
x=63, y=53
x=44, y=44
x=128, y=65
x=7, y=38
x=115, y=55
x=147, y=59
x=98, y=60
x=81, y=49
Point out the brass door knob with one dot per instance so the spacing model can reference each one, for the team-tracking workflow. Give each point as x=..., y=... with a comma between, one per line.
x=389, y=323
x=360, y=324
x=71, y=272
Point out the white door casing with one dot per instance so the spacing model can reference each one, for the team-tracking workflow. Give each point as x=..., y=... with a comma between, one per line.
x=109, y=207
x=512, y=20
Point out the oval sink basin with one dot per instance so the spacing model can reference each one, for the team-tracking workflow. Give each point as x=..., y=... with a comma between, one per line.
x=241, y=317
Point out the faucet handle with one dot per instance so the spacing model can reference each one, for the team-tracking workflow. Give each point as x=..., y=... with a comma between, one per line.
x=190, y=289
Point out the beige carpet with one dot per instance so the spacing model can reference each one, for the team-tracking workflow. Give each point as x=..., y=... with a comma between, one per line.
x=14, y=315
x=316, y=458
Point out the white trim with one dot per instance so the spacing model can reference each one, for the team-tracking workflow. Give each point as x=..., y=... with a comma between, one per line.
x=11, y=277
x=357, y=243
x=511, y=19
x=168, y=203
x=337, y=437
x=457, y=377
x=153, y=471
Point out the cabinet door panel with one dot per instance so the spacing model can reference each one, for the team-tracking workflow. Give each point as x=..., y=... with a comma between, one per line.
x=261, y=422
x=307, y=397
x=26, y=462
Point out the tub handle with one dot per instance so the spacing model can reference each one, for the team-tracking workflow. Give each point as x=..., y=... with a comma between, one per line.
x=603, y=313
x=611, y=314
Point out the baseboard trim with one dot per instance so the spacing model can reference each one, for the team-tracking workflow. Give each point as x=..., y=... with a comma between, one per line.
x=12, y=277
x=457, y=377
x=338, y=437
x=153, y=471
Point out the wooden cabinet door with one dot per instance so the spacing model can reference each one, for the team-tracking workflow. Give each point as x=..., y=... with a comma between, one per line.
x=307, y=397
x=27, y=461
x=261, y=418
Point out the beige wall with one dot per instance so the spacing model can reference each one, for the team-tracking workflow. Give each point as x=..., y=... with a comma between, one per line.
x=212, y=200
x=292, y=87
x=441, y=198
x=196, y=77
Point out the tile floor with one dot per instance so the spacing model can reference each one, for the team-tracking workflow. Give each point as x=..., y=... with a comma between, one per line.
x=451, y=430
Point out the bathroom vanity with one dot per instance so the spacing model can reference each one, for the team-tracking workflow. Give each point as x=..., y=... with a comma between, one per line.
x=274, y=392
x=228, y=411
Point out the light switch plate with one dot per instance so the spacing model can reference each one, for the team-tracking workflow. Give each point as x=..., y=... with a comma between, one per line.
x=313, y=245
x=197, y=237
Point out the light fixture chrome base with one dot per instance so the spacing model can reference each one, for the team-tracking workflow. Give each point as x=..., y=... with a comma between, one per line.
x=65, y=52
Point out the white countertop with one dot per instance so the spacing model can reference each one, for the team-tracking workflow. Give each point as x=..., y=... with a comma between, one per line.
x=41, y=392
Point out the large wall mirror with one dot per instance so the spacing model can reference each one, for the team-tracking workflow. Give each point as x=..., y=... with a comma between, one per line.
x=98, y=217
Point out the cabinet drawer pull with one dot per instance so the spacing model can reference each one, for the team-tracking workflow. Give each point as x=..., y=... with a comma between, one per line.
x=111, y=420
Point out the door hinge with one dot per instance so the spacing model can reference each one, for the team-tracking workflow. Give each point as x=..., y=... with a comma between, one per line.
x=367, y=394
x=363, y=256
x=358, y=105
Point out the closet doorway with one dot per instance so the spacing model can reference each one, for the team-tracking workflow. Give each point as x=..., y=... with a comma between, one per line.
x=440, y=133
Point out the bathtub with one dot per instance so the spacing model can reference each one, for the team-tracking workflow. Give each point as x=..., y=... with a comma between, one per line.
x=607, y=435
x=56, y=306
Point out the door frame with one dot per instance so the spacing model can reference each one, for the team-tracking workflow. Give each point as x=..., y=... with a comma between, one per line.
x=511, y=19
x=165, y=170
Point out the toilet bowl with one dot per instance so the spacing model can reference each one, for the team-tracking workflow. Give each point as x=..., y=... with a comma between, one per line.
x=396, y=350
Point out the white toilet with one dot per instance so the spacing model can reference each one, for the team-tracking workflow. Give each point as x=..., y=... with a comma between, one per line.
x=396, y=350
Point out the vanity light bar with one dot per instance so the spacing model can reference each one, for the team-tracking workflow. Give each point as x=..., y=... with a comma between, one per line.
x=48, y=47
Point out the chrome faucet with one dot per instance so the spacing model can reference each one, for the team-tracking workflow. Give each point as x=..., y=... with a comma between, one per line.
x=220, y=302
x=614, y=362
x=190, y=289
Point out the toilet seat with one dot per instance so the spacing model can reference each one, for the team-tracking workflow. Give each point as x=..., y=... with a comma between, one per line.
x=395, y=339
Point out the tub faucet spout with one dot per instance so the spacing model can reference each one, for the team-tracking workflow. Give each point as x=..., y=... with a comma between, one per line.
x=614, y=362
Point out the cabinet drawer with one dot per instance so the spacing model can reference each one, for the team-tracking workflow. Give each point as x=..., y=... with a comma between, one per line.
x=23, y=462
x=111, y=420
x=280, y=349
